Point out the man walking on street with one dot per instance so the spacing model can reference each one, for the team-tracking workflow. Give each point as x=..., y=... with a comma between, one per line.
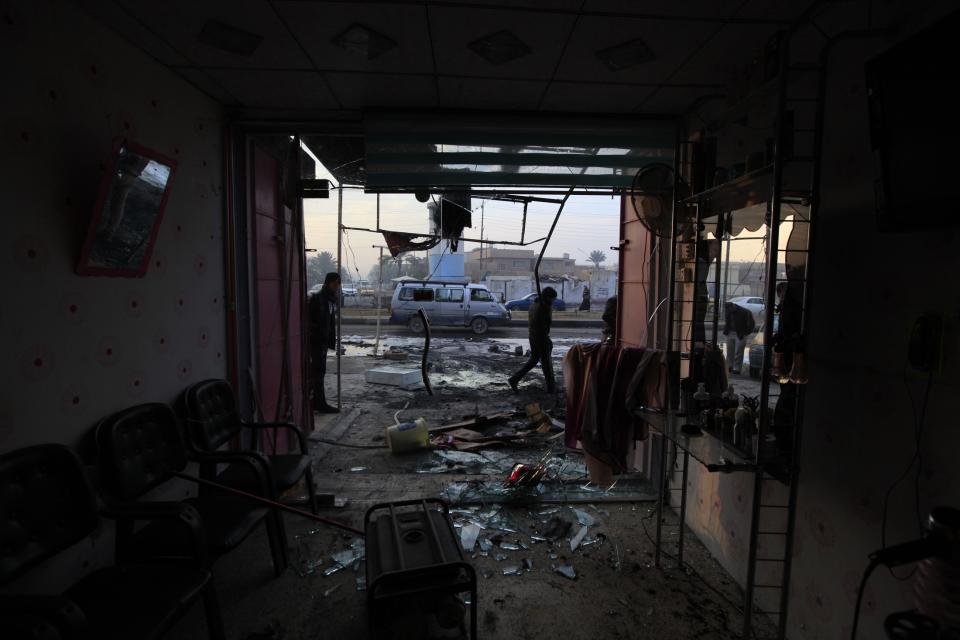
x=541, y=347
x=322, y=312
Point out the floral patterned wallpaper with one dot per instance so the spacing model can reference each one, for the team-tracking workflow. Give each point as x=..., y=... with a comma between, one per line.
x=72, y=348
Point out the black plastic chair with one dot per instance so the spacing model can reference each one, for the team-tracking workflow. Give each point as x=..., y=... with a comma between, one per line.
x=142, y=448
x=47, y=505
x=213, y=420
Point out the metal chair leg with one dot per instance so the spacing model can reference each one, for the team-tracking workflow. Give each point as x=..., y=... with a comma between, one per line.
x=278, y=542
x=311, y=490
x=211, y=606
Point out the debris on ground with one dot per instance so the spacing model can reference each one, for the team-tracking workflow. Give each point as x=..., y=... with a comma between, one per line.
x=395, y=377
x=566, y=570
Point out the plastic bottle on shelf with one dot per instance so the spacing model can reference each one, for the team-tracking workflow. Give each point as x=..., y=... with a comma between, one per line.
x=730, y=398
x=701, y=398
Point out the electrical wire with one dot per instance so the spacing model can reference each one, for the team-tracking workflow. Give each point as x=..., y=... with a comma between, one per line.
x=863, y=583
x=915, y=459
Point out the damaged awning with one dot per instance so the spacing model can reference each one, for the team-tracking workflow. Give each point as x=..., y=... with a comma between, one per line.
x=413, y=150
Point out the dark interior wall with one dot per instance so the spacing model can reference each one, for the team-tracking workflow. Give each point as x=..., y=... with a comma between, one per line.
x=75, y=348
x=858, y=436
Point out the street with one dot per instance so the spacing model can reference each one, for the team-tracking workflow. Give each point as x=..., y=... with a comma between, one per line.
x=369, y=332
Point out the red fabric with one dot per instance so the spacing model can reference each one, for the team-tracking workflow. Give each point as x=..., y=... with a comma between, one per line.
x=577, y=367
x=599, y=380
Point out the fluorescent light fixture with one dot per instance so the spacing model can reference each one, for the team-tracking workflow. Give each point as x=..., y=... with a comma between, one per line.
x=500, y=47
x=626, y=55
x=364, y=41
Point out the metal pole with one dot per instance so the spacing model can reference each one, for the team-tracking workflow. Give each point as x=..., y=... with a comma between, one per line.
x=270, y=503
x=726, y=271
x=376, y=345
x=340, y=273
x=543, y=249
x=661, y=497
x=683, y=506
x=773, y=246
x=671, y=285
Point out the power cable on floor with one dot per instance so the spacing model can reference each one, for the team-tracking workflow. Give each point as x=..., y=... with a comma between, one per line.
x=916, y=459
x=352, y=446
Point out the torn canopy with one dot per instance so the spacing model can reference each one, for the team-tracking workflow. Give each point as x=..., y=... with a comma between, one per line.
x=401, y=242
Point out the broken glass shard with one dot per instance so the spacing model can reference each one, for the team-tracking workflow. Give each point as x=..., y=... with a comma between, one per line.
x=566, y=570
x=468, y=537
x=577, y=539
x=512, y=570
x=509, y=546
x=584, y=518
x=330, y=590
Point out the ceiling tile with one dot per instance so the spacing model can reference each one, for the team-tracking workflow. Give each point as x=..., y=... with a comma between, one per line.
x=670, y=42
x=732, y=48
x=671, y=100
x=469, y=93
x=687, y=8
x=556, y=5
x=273, y=88
x=787, y=10
x=454, y=28
x=133, y=30
x=180, y=21
x=203, y=81
x=596, y=98
x=359, y=90
x=317, y=23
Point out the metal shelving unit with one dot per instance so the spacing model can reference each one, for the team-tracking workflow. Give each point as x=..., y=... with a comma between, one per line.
x=789, y=183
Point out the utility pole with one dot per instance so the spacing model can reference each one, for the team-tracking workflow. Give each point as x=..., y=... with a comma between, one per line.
x=482, y=204
x=376, y=345
x=340, y=273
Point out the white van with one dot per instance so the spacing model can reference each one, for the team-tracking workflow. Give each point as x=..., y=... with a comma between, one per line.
x=448, y=304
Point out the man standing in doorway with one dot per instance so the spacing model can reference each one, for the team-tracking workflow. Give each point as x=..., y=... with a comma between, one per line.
x=541, y=347
x=322, y=311
x=739, y=323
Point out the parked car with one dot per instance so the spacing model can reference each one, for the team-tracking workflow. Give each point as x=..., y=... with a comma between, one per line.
x=754, y=304
x=447, y=304
x=523, y=304
x=758, y=349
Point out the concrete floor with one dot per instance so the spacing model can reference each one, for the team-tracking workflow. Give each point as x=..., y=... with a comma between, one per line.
x=617, y=593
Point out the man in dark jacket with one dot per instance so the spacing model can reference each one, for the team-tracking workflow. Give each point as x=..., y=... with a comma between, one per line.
x=738, y=324
x=609, y=319
x=541, y=347
x=322, y=312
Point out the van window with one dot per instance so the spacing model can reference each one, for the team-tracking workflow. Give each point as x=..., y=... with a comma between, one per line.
x=480, y=295
x=406, y=294
x=423, y=295
x=450, y=295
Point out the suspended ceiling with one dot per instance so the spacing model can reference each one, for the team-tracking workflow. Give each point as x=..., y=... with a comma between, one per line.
x=299, y=71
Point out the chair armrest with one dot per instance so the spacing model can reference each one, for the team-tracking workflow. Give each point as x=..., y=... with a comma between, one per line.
x=183, y=513
x=52, y=616
x=281, y=425
x=258, y=464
